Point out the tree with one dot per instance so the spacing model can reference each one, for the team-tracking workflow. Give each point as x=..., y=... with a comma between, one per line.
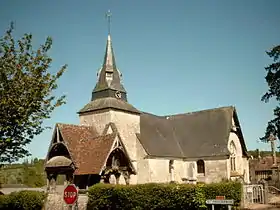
x=273, y=80
x=26, y=93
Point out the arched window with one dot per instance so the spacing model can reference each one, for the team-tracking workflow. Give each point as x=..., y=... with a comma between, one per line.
x=232, y=150
x=200, y=167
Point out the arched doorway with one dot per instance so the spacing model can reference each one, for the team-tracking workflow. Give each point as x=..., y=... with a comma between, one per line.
x=119, y=166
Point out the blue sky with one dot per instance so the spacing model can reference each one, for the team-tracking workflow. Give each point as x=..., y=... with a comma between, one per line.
x=175, y=56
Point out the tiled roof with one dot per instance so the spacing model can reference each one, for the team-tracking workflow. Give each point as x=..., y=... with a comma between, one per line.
x=93, y=154
x=87, y=150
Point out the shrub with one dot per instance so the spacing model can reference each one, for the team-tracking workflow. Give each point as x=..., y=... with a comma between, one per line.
x=23, y=200
x=231, y=190
x=159, y=196
x=4, y=202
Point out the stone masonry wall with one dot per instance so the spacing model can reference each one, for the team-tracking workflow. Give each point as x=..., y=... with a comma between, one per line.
x=96, y=119
x=127, y=124
x=55, y=201
x=159, y=171
x=143, y=168
x=215, y=170
x=180, y=170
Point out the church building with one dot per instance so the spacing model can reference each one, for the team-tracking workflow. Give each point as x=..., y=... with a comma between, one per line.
x=118, y=143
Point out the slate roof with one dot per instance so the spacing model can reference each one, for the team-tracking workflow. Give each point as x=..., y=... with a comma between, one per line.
x=197, y=134
x=108, y=103
x=109, y=86
x=87, y=150
x=109, y=65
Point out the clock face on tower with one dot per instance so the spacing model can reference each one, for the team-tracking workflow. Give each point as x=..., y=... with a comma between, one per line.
x=118, y=94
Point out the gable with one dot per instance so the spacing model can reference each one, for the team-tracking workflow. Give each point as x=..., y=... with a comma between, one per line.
x=82, y=146
x=198, y=134
x=119, y=147
x=236, y=128
x=55, y=141
x=58, y=154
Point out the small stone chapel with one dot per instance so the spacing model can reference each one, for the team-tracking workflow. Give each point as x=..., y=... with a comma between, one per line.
x=120, y=144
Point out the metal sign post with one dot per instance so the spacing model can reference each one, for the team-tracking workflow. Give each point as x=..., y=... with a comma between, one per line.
x=214, y=202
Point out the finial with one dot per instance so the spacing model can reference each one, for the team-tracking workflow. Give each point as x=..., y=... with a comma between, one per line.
x=108, y=16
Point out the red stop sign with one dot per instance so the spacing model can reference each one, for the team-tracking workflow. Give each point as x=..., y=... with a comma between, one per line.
x=70, y=194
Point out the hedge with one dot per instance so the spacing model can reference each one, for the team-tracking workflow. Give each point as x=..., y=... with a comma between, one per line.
x=159, y=196
x=22, y=200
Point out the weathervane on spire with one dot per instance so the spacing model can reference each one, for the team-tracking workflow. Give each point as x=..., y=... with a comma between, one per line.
x=108, y=16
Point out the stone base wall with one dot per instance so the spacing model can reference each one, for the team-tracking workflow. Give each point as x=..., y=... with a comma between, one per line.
x=55, y=202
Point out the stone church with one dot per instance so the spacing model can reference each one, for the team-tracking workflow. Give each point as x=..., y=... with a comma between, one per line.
x=117, y=143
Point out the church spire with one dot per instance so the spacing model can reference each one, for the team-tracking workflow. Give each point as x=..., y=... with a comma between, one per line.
x=109, y=77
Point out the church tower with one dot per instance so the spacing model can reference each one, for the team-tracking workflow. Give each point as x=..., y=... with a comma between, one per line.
x=109, y=92
x=109, y=104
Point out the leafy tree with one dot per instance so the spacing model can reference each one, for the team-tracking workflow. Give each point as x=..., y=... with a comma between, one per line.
x=26, y=93
x=273, y=81
x=29, y=173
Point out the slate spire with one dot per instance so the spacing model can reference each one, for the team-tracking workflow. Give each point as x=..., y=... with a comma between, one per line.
x=109, y=77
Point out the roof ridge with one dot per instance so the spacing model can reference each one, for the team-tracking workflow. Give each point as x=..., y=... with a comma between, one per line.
x=201, y=111
x=186, y=113
x=154, y=115
x=77, y=125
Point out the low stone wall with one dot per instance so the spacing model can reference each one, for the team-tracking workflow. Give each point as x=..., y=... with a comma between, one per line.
x=55, y=201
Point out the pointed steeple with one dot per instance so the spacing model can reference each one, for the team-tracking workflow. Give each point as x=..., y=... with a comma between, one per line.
x=109, y=92
x=109, y=77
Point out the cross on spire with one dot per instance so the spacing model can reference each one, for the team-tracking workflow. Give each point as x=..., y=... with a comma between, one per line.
x=109, y=77
x=108, y=16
